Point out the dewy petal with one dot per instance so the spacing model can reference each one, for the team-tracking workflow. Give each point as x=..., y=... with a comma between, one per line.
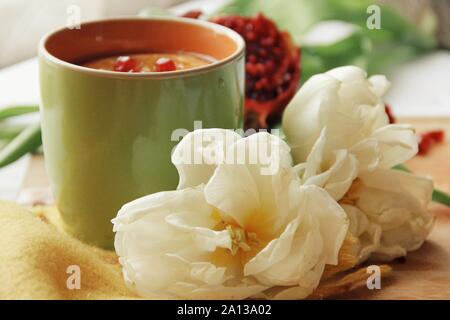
x=198, y=154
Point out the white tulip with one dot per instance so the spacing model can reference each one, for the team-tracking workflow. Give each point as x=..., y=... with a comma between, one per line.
x=341, y=139
x=230, y=232
x=388, y=213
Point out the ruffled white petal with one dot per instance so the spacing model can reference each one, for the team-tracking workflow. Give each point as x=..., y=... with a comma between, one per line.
x=304, y=117
x=379, y=84
x=335, y=172
x=198, y=154
x=396, y=143
x=236, y=200
x=332, y=221
x=344, y=101
x=342, y=142
x=251, y=231
x=260, y=179
x=298, y=256
x=390, y=215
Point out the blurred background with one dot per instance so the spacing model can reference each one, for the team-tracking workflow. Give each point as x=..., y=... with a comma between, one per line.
x=23, y=22
x=410, y=45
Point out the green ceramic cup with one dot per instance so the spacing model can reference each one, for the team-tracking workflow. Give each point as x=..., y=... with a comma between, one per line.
x=107, y=135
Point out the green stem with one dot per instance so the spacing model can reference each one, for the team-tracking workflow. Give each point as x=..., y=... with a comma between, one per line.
x=27, y=141
x=10, y=132
x=9, y=112
x=441, y=197
x=438, y=195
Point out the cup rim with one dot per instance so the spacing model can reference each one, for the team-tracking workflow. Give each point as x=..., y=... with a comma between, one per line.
x=233, y=35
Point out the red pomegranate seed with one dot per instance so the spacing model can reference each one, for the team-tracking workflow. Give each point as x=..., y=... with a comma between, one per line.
x=164, y=65
x=272, y=68
x=428, y=139
x=126, y=64
x=437, y=135
x=425, y=144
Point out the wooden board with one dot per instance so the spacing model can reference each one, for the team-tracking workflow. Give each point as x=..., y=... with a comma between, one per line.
x=425, y=274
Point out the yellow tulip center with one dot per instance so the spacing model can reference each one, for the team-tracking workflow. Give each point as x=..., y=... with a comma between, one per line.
x=245, y=242
x=241, y=239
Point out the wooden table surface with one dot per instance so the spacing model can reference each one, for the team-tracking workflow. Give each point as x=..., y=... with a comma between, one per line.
x=426, y=272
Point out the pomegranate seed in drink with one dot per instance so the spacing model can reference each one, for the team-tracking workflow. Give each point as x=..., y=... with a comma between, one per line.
x=164, y=65
x=126, y=64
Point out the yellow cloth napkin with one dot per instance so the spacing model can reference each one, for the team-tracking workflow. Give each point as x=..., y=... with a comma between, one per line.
x=35, y=258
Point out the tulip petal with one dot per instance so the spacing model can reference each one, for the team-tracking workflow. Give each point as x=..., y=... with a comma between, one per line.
x=332, y=220
x=303, y=119
x=274, y=252
x=344, y=101
x=335, y=174
x=315, y=237
x=198, y=154
x=144, y=238
x=233, y=191
x=379, y=84
x=397, y=143
x=396, y=202
x=262, y=173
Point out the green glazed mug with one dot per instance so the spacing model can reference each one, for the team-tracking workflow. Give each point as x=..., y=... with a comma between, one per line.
x=107, y=135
